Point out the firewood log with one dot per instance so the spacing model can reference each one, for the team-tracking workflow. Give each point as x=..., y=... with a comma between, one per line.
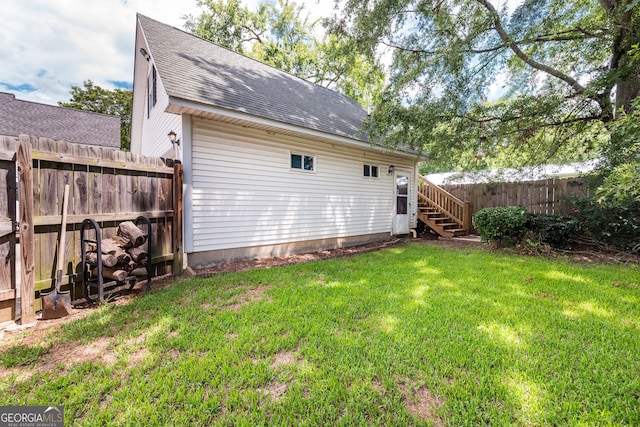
x=138, y=254
x=130, y=231
x=111, y=273
x=106, y=259
x=110, y=246
x=122, y=241
x=138, y=272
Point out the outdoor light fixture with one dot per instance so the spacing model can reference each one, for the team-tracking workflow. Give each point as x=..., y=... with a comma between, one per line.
x=391, y=169
x=173, y=137
x=144, y=53
x=175, y=141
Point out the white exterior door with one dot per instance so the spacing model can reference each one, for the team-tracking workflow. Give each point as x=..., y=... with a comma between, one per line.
x=402, y=203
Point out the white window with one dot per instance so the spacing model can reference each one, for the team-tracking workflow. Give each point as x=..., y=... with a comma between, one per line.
x=370, y=171
x=303, y=162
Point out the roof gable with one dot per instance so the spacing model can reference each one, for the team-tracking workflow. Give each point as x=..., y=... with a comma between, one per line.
x=198, y=71
x=82, y=127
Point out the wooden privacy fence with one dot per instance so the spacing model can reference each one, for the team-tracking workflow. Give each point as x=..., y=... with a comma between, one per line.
x=107, y=185
x=549, y=196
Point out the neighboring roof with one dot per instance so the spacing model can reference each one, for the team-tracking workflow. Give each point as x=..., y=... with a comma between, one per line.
x=82, y=127
x=196, y=70
x=530, y=173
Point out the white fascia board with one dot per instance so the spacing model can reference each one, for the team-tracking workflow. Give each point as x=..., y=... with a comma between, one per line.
x=178, y=106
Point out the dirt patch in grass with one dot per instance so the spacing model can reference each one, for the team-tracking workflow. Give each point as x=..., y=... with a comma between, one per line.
x=249, y=296
x=624, y=285
x=423, y=404
x=96, y=351
x=283, y=358
x=274, y=390
x=545, y=295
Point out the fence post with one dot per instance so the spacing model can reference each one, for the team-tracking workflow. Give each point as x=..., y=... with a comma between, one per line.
x=177, y=218
x=466, y=217
x=27, y=234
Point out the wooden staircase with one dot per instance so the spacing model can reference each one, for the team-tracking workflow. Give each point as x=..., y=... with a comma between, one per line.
x=441, y=211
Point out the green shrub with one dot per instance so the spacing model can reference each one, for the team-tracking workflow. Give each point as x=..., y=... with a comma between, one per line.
x=555, y=230
x=618, y=226
x=505, y=225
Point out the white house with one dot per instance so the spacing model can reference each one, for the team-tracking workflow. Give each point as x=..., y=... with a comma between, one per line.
x=273, y=164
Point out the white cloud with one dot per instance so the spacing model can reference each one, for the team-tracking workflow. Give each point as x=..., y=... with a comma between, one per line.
x=48, y=46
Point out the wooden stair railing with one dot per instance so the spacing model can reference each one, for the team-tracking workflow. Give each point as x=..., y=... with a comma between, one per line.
x=442, y=211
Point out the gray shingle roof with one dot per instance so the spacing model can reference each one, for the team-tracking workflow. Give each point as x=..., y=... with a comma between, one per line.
x=196, y=70
x=83, y=127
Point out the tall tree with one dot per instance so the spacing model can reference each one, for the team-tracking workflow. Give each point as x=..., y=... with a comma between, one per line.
x=282, y=35
x=115, y=102
x=566, y=65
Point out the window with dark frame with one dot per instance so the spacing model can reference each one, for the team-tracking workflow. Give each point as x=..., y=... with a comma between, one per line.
x=303, y=162
x=370, y=171
x=152, y=90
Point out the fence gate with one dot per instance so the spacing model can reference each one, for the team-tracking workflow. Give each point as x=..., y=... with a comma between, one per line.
x=8, y=291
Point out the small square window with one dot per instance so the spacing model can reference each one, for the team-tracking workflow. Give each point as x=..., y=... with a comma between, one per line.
x=367, y=170
x=303, y=162
x=374, y=171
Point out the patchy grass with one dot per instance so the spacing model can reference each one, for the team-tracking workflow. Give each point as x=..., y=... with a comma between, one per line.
x=414, y=335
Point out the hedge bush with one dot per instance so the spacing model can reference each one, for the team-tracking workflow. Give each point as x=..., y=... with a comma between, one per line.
x=505, y=225
x=555, y=230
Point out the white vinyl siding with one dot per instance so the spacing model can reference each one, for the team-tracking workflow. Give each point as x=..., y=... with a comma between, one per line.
x=244, y=194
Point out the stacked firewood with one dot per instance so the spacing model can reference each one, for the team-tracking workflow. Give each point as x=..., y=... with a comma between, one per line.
x=123, y=255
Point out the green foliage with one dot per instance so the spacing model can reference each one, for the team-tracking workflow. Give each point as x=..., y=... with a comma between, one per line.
x=555, y=230
x=505, y=225
x=560, y=63
x=620, y=184
x=616, y=225
x=281, y=35
x=508, y=225
x=117, y=102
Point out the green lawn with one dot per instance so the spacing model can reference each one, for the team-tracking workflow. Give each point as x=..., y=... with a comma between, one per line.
x=417, y=334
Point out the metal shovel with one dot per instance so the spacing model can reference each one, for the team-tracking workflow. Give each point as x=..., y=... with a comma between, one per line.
x=57, y=304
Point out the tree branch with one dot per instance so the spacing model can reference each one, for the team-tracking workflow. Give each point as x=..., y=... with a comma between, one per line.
x=509, y=42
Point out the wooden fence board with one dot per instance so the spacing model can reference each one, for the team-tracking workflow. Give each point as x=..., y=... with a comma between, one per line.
x=27, y=234
x=7, y=229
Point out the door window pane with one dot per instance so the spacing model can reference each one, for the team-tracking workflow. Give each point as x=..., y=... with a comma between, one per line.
x=402, y=184
x=401, y=205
